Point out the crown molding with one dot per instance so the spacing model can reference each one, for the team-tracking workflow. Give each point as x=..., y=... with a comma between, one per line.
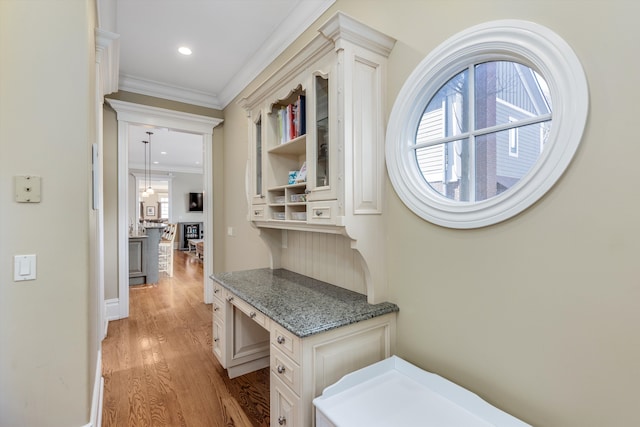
x=298, y=21
x=174, y=93
x=108, y=59
x=155, y=116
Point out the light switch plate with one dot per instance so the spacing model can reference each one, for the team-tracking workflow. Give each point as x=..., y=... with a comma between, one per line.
x=24, y=268
x=28, y=189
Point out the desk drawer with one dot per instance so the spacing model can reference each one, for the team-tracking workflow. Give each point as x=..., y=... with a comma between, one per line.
x=249, y=310
x=325, y=212
x=257, y=213
x=285, y=369
x=218, y=290
x=286, y=342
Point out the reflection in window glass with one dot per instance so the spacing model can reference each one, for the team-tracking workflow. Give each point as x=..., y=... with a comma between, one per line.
x=470, y=157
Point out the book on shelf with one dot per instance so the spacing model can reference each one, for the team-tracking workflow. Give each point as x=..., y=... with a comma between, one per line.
x=292, y=120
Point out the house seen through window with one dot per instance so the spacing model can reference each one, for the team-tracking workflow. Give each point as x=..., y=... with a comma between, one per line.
x=483, y=130
x=486, y=124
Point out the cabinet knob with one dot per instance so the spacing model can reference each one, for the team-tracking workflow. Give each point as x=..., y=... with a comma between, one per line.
x=230, y=299
x=282, y=420
x=280, y=369
x=318, y=213
x=216, y=339
x=252, y=314
x=256, y=213
x=280, y=339
x=216, y=290
x=216, y=308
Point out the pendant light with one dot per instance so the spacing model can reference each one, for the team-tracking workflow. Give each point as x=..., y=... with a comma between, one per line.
x=149, y=189
x=145, y=193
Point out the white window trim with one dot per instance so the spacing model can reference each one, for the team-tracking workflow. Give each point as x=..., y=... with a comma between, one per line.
x=507, y=40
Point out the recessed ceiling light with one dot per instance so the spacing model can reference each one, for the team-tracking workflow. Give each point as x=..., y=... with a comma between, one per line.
x=184, y=50
x=156, y=162
x=163, y=152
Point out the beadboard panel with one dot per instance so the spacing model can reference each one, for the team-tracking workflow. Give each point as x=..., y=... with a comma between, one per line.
x=326, y=257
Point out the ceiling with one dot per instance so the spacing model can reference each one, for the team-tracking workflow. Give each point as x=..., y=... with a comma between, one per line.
x=170, y=151
x=232, y=42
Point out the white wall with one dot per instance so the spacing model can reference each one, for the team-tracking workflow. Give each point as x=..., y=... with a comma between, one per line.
x=182, y=185
x=539, y=314
x=47, y=326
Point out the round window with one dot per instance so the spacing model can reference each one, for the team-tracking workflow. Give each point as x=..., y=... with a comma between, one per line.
x=473, y=137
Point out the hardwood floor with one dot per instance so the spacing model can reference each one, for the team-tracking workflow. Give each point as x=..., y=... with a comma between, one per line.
x=158, y=366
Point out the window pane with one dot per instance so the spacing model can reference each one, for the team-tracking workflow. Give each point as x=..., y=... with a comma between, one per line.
x=447, y=112
x=496, y=168
x=445, y=167
x=508, y=91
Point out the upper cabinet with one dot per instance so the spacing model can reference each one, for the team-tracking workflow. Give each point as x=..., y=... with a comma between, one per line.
x=316, y=135
x=317, y=132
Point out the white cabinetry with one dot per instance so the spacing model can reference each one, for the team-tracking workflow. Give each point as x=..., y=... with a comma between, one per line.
x=300, y=367
x=332, y=95
x=240, y=334
x=309, y=333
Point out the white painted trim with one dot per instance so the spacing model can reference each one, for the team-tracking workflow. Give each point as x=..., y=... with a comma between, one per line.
x=301, y=18
x=129, y=113
x=182, y=169
x=298, y=21
x=112, y=308
x=508, y=40
x=162, y=90
x=108, y=60
x=95, y=419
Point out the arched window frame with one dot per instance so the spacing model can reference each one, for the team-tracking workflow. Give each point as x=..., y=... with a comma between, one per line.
x=518, y=41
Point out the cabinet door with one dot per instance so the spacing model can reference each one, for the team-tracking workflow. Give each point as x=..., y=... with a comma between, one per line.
x=136, y=258
x=257, y=186
x=218, y=340
x=284, y=404
x=323, y=143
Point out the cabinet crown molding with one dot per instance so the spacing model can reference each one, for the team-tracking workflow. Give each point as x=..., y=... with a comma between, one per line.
x=343, y=27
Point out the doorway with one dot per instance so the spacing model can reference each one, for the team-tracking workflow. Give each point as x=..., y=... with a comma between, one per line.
x=130, y=114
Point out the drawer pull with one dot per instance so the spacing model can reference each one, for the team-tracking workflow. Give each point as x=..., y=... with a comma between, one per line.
x=280, y=369
x=216, y=309
x=216, y=290
x=282, y=420
x=252, y=314
x=230, y=299
x=280, y=339
x=216, y=339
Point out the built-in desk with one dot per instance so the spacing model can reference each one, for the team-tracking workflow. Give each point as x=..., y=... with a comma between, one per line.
x=309, y=333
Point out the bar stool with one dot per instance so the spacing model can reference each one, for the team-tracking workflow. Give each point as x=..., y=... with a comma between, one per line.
x=165, y=250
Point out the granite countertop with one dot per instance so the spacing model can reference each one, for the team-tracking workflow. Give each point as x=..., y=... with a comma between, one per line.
x=302, y=305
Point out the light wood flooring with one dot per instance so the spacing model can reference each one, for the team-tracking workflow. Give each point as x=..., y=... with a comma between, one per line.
x=158, y=366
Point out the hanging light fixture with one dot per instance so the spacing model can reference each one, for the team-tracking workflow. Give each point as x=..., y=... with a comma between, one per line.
x=145, y=193
x=149, y=189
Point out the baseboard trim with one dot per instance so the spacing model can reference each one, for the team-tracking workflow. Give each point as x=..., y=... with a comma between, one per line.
x=113, y=308
x=96, y=401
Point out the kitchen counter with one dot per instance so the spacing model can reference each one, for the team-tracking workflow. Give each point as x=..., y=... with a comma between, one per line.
x=302, y=305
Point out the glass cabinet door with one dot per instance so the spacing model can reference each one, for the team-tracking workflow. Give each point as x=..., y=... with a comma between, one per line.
x=258, y=191
x=322, y=132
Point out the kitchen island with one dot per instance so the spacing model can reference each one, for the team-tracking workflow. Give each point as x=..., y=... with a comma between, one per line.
x=310, y=333
x=143, y=255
